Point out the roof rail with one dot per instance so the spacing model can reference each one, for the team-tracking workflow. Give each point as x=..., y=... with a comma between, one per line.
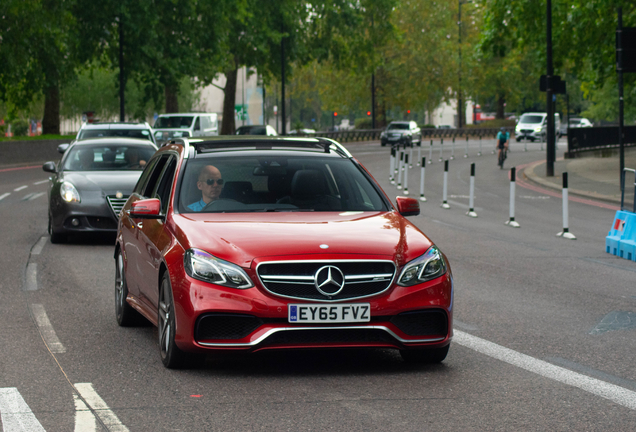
x=201, y=145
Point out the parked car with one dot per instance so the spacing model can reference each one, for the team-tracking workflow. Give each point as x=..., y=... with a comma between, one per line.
x=534, y=126
x=401, y=133
x=92, y=182
x=185, y=125
x=247, y=243
x=256, y=130
x=116, y=129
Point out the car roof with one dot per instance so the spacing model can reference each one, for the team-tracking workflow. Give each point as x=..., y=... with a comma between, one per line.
x=114, y=140
x=184, y=114
x=115, y=125
x=196, y=147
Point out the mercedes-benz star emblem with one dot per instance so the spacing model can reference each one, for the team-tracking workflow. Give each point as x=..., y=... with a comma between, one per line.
x=329, y=280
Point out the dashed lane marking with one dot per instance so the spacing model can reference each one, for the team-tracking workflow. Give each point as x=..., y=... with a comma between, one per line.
x=18, y=189
x=612, y=392
x=84, y=419
x=15, y=413
x=31, y=277
x=108, y=418
x=41, y=182
x=4, y=195
x=35, y=196
x=37, y=248
x=46, y=329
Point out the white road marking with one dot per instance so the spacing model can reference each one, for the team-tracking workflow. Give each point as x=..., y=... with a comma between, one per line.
x=27, y=196
x=41, y=182
x=4, y=195
x=37, y=249
x=36, y=195
x=46, y=329
x=15, y=413
x=102, y=410
x=84, y=419
x=617, y=394
x=31, y=280
x=20, y=188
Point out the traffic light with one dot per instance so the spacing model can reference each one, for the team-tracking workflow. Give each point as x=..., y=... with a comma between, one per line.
x=408, y=111
x=335, y=114
x=368, y=113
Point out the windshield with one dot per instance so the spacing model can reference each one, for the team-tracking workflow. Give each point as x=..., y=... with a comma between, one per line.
x=398, y=126
x=531, y=119
x=269, y=183
x=123, y=133
x=107, y=157
x=166, y=135
x=174, y=122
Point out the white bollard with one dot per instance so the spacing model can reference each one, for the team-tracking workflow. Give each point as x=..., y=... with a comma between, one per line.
x=444, y=197
x=391, y=179
x=479, y=153
x=453, y=149
x=396, y=166
x=422, y=197
x=430, y=153
x=525, y=145
x=400, y=168
x=566, y=230
x=441, y=145
x=513, y=178
x=419, y=151
x=466, y=152
x=411, y=156
x=471, y=199
x=406, y=174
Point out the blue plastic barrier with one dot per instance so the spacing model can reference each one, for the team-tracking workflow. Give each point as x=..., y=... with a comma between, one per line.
x=621, y=239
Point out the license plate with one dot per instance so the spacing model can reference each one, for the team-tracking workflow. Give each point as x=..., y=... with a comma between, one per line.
x=321, y=313
x=393, y=137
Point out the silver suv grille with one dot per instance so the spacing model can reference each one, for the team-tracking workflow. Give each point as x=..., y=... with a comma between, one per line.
x=297, y=279
x=116, y=204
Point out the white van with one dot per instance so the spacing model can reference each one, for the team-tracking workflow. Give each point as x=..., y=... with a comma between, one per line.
x=180, y=125
x=534, y=126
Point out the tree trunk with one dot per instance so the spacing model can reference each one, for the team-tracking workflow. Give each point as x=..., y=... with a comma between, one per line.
x=172, y=99
x=51, y=120
x=501, y=109
x=228, y=126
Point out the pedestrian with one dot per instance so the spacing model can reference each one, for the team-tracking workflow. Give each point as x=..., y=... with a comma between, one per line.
x=503, y=138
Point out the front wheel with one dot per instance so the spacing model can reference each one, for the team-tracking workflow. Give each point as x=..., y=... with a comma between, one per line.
x=426, y=356
x=56, y=238
x=171, y=356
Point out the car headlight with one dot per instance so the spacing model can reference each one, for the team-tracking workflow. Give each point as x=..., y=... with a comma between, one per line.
x=429, y=266
x=537, y=129
x=69, y=192
x=203, y=266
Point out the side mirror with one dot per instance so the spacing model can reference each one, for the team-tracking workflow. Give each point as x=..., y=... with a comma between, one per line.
x=408, y=206
x=49, y=167
x=62, y=148
x=147, y=208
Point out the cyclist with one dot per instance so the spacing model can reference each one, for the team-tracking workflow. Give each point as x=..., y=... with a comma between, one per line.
x=502, y=144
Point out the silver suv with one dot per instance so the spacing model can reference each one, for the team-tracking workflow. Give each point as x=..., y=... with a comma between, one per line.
x=114, y=129
x=401, y=133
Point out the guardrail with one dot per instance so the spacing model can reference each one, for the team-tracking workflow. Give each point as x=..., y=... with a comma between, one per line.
x=598, y=138
x=374, y=134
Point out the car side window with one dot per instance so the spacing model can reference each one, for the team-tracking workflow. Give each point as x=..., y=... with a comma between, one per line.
x=197, y=124
x=153, y=179
x=165, y=185
x=205, y=122
x=141, y=184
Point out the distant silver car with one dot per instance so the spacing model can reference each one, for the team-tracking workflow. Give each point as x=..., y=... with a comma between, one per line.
x=92, y=182
x=116, y=129
x=401, y=133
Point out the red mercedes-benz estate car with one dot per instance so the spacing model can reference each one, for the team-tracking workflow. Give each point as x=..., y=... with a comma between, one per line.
x=258, y=243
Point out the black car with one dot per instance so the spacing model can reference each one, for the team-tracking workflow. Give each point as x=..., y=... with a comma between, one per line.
x=92, y=182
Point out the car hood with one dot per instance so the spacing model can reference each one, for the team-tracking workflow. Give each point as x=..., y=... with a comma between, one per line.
x=243, y=238
x=110, y=182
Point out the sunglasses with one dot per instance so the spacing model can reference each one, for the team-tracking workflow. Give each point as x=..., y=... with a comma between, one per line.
x=211, y=182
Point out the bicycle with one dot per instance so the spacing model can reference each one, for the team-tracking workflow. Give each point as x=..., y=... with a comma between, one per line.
x=502, y=157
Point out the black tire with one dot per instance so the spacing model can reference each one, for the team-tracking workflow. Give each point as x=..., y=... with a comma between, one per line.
x=125, y=314
x=425, y=356
x=501, y=158
x=518, y=139
x=171, y=356
x=56, y=238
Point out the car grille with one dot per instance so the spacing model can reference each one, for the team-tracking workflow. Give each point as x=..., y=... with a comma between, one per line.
x=225, y=326
x=102, y=223
x=328, y=336
x=297, y=279
x=422, y=323
x=116, y=204
x=527, y=130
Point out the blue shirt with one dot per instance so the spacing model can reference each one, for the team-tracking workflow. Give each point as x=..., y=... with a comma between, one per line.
x=503, y=135
x=197, y=206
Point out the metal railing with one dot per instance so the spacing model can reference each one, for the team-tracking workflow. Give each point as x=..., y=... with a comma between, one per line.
x=374, y=134
x=623, y=189
x=598, y=138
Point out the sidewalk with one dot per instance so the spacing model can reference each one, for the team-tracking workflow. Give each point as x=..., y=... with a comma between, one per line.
x=590, y=177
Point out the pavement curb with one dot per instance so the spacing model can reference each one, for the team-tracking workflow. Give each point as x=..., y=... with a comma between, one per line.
x=530, y=175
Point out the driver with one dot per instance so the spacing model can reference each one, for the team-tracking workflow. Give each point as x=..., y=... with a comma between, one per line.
x=210, y=183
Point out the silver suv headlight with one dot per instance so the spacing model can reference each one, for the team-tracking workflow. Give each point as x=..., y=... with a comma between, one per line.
x=424, y=268
x=69, y=192
x=206, y=267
